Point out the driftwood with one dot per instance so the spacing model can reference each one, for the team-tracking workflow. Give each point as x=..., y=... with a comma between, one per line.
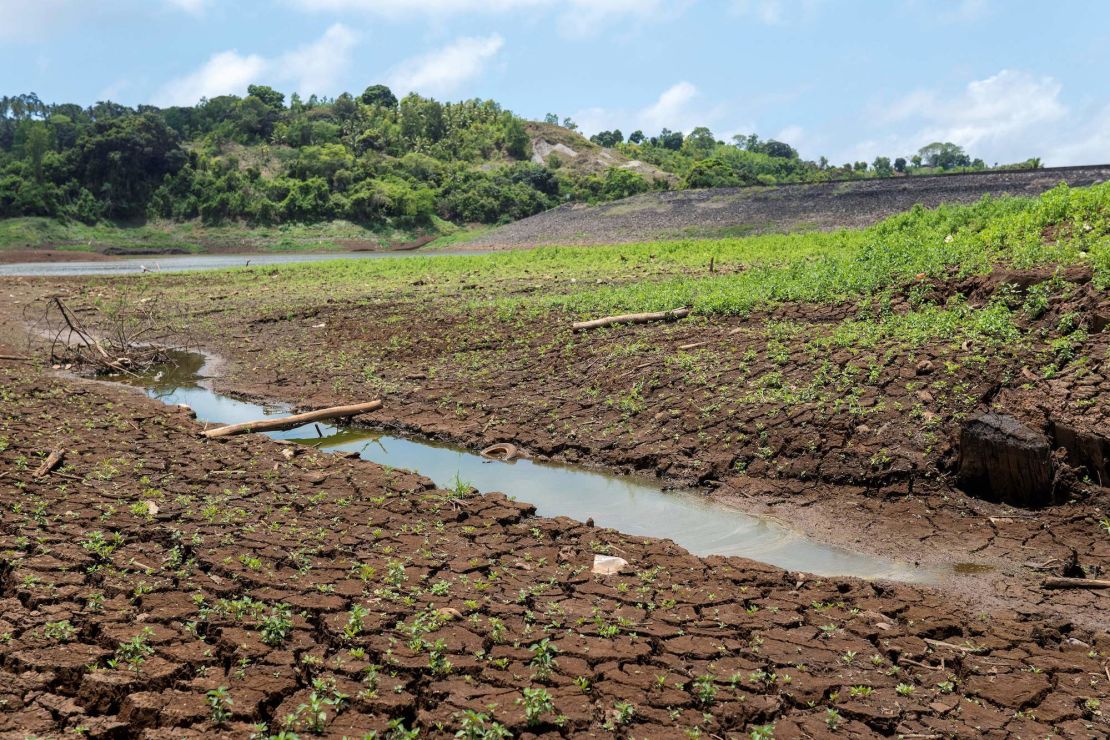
x=1056, y=583
x=292, y=422
x=50, y=463
x=632, y=318
x=502, y=451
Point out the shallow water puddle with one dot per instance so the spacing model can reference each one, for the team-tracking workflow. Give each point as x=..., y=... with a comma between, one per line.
x=637, y=507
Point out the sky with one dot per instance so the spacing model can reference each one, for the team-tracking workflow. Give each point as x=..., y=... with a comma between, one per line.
x=847, y=79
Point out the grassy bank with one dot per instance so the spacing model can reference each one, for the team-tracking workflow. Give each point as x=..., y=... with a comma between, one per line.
x=193, y=236
x=730, y=276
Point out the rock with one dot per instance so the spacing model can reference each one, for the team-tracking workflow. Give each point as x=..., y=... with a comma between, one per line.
x=1003, y=460
x=151, y=508
x=608, y=565
x=924, y=367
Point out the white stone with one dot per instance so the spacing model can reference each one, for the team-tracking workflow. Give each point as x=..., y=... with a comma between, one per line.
x=608, y=565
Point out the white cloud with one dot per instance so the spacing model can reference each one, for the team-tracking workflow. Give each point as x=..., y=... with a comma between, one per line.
x=225, y=73
x=587, y=18
x=775, y=12
x=677, y=108
x=574, y=18
x=193, y=7
x=442, y=71
x=317, y=67
x=1006, y=117
x=313, y=68
x=1088, y=143
x=1000, y=118
x=402, y=8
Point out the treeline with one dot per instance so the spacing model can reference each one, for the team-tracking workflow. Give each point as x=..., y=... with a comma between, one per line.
x=371, y=159
x=702, y=161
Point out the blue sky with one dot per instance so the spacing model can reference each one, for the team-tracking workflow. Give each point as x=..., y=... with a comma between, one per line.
x=849, y=79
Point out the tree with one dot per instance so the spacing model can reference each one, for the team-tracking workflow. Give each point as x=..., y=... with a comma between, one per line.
x=551, y=118
x=636, y=137
x=608, y=138
x=778, y=149
x=268, y=95
x=379, y=96
x=882, y=167
x=668, y=139
x=700, y=143
x=944, y=155
x=35, y=145
x=900, y=164
x=570, y=124
x=121, y=161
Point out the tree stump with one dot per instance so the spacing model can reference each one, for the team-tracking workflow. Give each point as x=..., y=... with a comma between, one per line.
x=1085, y=449
x=1003, y=460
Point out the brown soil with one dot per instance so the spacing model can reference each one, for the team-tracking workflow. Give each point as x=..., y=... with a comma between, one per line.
x=864, y=459
x=739, y=211
x=15, y=256
x=455, y=595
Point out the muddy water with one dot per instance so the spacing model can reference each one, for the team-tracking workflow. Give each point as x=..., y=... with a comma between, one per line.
x=633, y=506
x=183, y=263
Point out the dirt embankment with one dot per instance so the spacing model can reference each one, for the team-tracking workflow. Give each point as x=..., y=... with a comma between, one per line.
x=160, y=584
x=738, y=211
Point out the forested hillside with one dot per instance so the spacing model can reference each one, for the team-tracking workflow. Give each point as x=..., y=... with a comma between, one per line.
x=370, y=159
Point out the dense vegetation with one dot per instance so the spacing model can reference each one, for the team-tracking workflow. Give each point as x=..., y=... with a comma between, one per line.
x=702, y=161
x=372, y=160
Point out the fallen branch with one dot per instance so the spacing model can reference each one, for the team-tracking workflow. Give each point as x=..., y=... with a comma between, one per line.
x=50, y=463
x=14, y=358
x=950, y=646
x=1092, y=583
x=692, y=345
x=632, y=318
x=292, y=422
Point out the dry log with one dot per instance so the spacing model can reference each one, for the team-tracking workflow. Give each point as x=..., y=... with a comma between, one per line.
x=14, y=358
x=692, y=345
x=50, y=463
x=1056, y=583
x=632, y=318
x=292, y=422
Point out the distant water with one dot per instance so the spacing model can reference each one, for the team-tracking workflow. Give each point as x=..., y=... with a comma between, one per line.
x=182, y=263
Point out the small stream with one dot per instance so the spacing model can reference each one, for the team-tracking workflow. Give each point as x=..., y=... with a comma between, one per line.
x=633, y=506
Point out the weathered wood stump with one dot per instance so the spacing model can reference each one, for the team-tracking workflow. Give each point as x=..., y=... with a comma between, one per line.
x=1003, y=460
x=1085, y=449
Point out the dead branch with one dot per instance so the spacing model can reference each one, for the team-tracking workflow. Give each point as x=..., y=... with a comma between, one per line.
x=632, y=318
x=292, y=422
x=49, y=463
x=14, y=358
x=1058, y=583
x=127, y=337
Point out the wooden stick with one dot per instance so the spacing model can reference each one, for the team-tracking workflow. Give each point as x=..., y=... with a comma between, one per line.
x=632, y=318
x=292, y=422
x=692, y=345
x=1074, y=583
x=50, y=462
x=950, y=646
x=15, y=358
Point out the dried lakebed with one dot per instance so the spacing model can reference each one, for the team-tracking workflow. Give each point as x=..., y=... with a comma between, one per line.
x=701, y=525
x=158, y=584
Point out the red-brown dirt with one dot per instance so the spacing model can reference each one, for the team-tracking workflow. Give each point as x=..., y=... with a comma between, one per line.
x=137, y=575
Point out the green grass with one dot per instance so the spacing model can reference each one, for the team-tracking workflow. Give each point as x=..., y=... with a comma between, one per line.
x=1063, y=227
x=30, y=233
